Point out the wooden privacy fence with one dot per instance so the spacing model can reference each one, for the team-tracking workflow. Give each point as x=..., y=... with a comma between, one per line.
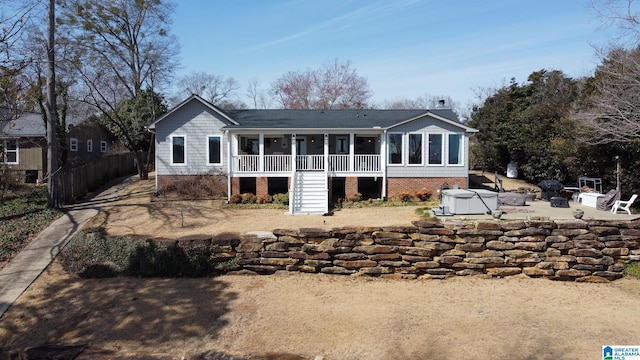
x=79, y=181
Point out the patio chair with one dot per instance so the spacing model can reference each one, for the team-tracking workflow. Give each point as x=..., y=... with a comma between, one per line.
x=624, y=205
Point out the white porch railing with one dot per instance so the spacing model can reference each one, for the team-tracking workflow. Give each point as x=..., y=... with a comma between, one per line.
x=277, y=163
x=339, y=163
x=282, y=163
x=366, y=163
x=310, y=162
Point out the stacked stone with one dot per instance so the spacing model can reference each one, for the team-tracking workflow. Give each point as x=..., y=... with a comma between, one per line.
x=573, y=250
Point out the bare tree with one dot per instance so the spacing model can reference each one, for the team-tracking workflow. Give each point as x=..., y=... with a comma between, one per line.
x=335, y=85
x=53, y=200
x=609, y=110
x=215, y=88
x=121, y=46
x=624, y=15
x=258, y=96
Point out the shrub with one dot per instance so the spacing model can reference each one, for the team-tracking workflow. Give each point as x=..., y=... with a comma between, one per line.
x=265, y=199
x=235, y=199
x=355, y=197
x=282, y=199
x=423, y=195
x=92, y=254
x=248, y=198
x=404, y=196
x=198, y=187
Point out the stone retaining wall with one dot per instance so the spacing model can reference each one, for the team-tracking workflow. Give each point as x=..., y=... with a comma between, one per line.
x=572, y=250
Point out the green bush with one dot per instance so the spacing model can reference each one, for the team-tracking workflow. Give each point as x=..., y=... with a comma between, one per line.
x=282, y=199
x=92, y=254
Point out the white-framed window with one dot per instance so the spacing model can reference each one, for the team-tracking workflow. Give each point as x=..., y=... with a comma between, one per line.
x=436, y=145
x=9, y=154
x=73, y=144
x=214, y=144
x=395, y=147
x=455, y=146
x=103, y=146
x=90, y=145
x=342, y=145
x=415, y=149
x=178, y=150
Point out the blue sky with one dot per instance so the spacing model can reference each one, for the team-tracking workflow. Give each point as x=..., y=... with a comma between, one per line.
x=405, y=48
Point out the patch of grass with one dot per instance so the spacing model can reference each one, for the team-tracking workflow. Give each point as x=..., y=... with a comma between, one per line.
x=632, y=269
x=425, y=211
x=23, y=215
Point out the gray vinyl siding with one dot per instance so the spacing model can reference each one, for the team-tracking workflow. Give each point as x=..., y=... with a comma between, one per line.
x=196, y=122
x=427, y=126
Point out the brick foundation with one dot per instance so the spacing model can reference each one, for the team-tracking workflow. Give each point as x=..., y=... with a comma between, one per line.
x=262, y=186
x=235, y=185
x=350, y=186
x=411, y=185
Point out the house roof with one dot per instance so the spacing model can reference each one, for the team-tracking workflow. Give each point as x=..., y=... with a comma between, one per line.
x=27, y=123
x=191, y=98
x=21, y=124
x=361, y=119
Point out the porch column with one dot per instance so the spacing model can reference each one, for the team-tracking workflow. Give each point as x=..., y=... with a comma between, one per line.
x=383, y=163
x=228, y=137
x=294, y=153
x=261, y=152
x=352, y=151
x=325, y=151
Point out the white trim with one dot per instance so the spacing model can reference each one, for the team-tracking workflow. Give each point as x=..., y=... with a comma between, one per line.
x=73, y=144
x=209, y=163
x=402, y=149
x=104, y=146
x=442, y=148
x=89, y=145
x=184, y=138
x=421, y=163
x=16, y=151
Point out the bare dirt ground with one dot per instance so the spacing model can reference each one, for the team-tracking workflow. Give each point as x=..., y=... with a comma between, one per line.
x=337, y=317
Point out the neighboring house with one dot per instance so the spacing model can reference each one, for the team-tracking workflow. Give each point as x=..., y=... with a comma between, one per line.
x=315, y=155
x=24, y=145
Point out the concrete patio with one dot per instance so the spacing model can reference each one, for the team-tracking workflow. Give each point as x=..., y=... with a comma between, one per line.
x=541, y=208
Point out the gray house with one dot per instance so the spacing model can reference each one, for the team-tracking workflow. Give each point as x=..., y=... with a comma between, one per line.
x=23, y=143
x=315, y=155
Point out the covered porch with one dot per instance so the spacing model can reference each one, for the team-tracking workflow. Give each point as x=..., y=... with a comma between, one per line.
x=281, y=154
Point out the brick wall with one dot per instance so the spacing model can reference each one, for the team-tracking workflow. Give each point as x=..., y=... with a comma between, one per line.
x=262, y=186
x=350, y=186
x=411, y=185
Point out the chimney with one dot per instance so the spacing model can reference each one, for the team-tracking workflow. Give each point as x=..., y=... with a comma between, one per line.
x=441, y=103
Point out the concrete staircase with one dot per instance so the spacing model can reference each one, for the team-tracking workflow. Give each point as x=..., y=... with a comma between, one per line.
x=310, y=193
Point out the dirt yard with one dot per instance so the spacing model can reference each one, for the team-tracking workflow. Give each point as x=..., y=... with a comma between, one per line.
x=335, y=317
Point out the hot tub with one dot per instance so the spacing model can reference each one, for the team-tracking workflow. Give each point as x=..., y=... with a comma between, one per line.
x=469, y=201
